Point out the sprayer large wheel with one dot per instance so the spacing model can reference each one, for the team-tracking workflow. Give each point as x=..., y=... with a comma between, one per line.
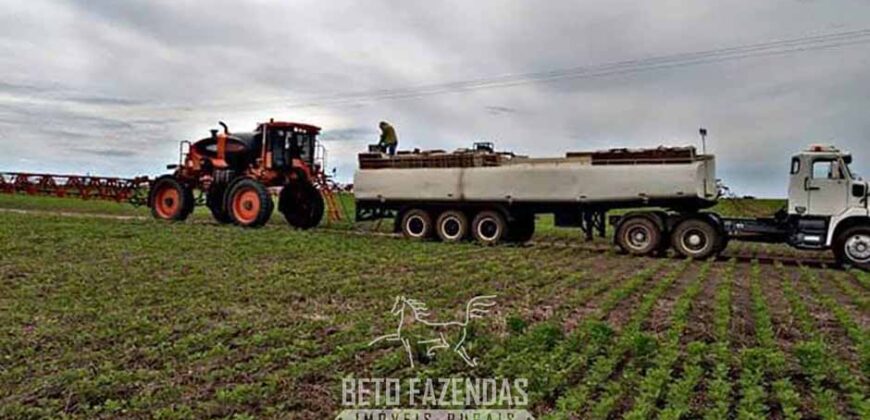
x=170, y=199
x=249, y=203
x=301, y=204
x=215, y=201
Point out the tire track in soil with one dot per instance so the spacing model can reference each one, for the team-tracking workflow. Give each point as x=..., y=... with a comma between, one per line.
x=556, y=303
x=698, y=329
x=568, y=257
x=827, y=325
x=615, y=355
x=828, y=278
x=591, y=308
x=802, y=384
x=701, y=400
x=785, y=330
x=516, y=289
x=659, y=320
x=742, y=334
x=606, y=278
x=835, y=342
x=539, y=298
x=622, y=313
x=700, y=324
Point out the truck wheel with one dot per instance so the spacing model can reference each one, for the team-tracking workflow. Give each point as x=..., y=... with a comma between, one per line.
x=696, y=239
x=301, y=204
x=489, y=227
x=521, y=229
x=639, y=236
x=170, y=199
x=416, y=224
x=214, y=200
x=852, y=248
x=452, y=226
x=249, y=203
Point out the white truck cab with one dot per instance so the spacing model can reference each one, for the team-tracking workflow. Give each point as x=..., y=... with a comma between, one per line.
x=828, y=204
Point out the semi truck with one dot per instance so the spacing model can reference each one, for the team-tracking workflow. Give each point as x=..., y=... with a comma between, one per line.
x=663, y=195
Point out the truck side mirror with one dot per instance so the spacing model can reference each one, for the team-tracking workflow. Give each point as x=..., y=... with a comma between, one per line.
x=859, y=190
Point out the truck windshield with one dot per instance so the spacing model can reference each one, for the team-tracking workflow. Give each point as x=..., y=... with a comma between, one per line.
x=848, y=170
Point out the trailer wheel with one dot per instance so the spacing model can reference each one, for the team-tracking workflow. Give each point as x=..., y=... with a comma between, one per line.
x=639, y=236
x=215, y=200
x=301, y=204
x=170, y=199
x=452, y=226
x=696, y=239
x=249, y=203
x=417, y=224
x=852, y=248
x=489, y=227
x=521, y=229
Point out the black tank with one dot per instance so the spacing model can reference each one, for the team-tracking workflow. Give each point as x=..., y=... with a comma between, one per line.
x=241, y=149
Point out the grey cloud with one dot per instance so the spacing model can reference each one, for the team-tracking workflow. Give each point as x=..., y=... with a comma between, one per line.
x=15, y=88
x=110, y=153
x=97, y=100
x=106, y=76
x=499, y=110
x=346, y=134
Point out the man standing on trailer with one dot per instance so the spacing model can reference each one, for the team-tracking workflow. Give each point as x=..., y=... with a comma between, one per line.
x=389, y=140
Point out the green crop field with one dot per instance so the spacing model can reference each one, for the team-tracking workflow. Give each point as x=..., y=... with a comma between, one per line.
x=107, y=313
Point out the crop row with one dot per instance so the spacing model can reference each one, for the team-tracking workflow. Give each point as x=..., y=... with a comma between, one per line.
x=764, y=361
x=654, y=381
x=860, y=298
x=549, y=359
x=608, y=356
x=859, y=336
x=719, y=387
x=819, y=362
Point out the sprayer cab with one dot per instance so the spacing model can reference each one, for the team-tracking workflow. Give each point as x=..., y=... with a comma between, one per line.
x=271, y=146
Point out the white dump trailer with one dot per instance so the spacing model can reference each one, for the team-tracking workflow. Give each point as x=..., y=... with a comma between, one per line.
x=494, y=197
x=574, y=180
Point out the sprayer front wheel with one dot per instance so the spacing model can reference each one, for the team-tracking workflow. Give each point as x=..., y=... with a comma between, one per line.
x=214, y=200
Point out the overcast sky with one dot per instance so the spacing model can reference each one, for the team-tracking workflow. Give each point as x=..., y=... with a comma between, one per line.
x=109, y=87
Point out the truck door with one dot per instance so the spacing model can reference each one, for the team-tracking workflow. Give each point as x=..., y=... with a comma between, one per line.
x=827, y=187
